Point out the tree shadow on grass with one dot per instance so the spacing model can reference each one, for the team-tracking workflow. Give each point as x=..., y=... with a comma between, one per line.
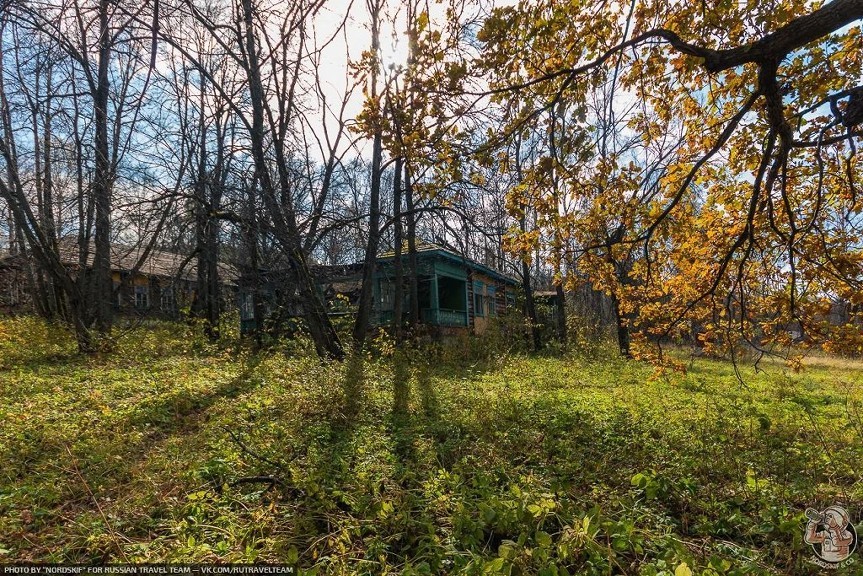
x=332, y=436
x=58, y=362
x=352, y=390
x=401, y=429
x=330, y=457
x=401, y=386
x=72, y=472
x=412, y=376
x=428, y=397
x=333, y=441
x=168, y=416
x=157, y=418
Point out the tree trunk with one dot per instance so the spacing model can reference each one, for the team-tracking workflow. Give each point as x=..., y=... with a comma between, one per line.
x=530, y=307
x=214, y=297
x=55, y=293
x=252, y=240
x=397, y=245
x=102, y=286
x=199, y=304
x=561, y=313
x=413, y=281
x=320, y=328
x=622, y=325
x=529, y=304
x=207, y=305
x=365, y=303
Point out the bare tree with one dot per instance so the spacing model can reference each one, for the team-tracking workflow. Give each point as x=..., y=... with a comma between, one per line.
x=268, y=44
x=376, y=113
x=105, y=68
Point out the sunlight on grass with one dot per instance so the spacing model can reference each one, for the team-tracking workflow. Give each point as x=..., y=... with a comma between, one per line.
x=418, y=464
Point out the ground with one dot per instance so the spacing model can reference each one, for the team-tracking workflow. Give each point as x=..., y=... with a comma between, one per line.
x=441, y=461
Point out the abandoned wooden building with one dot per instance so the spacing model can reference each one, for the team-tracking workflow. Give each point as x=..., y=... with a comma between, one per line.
x=163, y=284
x=454, y=293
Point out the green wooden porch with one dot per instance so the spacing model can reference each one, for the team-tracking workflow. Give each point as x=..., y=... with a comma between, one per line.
x=442, y=294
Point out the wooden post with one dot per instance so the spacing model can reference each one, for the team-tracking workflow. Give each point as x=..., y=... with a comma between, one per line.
x=435, y=306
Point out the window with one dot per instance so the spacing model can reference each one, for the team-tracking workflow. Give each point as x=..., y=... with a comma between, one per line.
x=479, y=304
x=492, y=301
x=247, y=306
x=510, y=300
x=479, y=299
x=387, y=293
x=142, y=300
x=169, y=303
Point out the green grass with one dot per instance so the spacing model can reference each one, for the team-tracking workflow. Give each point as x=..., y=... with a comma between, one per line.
x=428, y=463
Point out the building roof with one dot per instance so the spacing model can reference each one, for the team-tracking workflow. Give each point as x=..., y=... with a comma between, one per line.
x=157, y=263
x=437, y=250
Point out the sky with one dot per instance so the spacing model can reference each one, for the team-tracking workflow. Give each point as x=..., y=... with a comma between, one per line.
x=356, y=38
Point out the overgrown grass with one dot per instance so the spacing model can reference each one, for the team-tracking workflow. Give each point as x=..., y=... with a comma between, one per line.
x=427, y=462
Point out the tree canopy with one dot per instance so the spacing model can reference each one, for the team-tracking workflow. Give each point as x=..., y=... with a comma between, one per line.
x=699, y=159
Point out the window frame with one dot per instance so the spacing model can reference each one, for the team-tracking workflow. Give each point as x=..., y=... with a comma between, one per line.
x=479, y=299
x=142, y=295
x=168, y=300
